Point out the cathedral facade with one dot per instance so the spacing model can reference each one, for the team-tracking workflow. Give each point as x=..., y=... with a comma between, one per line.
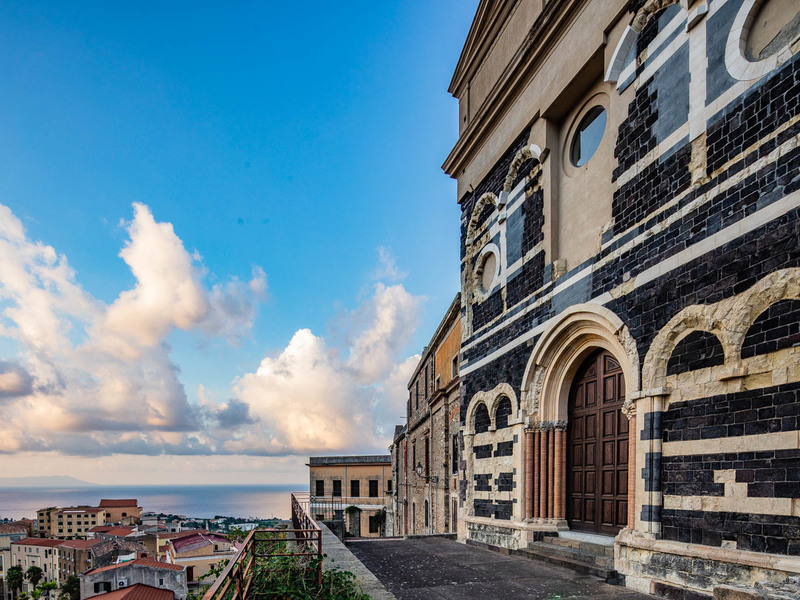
x=629, y=179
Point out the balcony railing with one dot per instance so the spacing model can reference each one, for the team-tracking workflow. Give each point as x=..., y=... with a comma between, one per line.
x=268, y=549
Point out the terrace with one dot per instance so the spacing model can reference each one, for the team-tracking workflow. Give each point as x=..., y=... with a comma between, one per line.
x=271, y=563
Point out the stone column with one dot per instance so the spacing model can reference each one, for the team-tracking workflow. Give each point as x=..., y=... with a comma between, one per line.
x=543, y=475
x=529, y=483
x=649, y=407
x=560, y=468
x=551, y=463
x=537, y=446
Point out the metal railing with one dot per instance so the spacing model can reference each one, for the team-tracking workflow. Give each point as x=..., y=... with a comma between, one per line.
x=303, y=542
x=321, y=508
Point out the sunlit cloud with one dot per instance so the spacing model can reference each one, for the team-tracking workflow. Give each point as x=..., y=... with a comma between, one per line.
x=96, y=379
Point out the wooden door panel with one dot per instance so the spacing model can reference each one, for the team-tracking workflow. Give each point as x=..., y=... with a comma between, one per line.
x=598, y=484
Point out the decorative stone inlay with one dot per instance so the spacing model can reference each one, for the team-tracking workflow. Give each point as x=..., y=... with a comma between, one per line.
x=729, y=319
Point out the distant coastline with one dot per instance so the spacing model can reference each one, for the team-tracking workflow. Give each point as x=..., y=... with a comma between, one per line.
x=200, y=501
x=46, y=481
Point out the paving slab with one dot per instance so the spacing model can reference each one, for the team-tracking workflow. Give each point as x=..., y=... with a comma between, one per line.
x=441, y=569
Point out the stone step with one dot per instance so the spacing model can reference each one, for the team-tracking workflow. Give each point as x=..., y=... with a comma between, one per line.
x=579, y=544
x=580, y=561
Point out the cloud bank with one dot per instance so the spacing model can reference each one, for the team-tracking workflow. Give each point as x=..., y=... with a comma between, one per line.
x=94, y=379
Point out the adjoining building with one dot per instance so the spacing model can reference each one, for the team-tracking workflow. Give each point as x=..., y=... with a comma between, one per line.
x=42, y=553
x=199, y=553
x=9, y=533
x=139, y=571
x=359, y=487
x=426, y=449
x=75, y=557
x=629, y=180
x=68, y=523
x=138, y=591
x=122, y=511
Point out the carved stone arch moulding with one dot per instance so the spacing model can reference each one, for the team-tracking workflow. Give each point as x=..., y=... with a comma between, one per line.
x=562, y=348
x=486, y=200
x=531, y=151
x=729, y=319
x=632, y=31
x=748, y=306
x=490, y=399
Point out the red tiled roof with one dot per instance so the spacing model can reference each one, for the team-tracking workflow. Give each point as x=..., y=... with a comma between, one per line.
x=196, y=541
x=12, y=528
x=180, y=534
x=81, y=543
x=101, y=528
x=30, y=541
x=141, y=562
x=118, y=503
x=118, y=531
x=139, y=591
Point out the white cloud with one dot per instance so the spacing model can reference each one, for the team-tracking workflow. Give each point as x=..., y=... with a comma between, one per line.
x=309, y=398
x=387, y=267
x=94, y=379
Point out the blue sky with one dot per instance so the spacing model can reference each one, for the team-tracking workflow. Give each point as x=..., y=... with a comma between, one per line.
x=304, y=141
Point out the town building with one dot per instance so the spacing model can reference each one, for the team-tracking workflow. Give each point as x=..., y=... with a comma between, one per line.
x=42, y=553
x=68, y=523
x=360, y=488
x=138, y=591
x=75, y=557
x=628, y=174
x=199, y=553
x=425, y=450
x=9, y=532
x=163, y=539
x=121, y=512
x=139, y=571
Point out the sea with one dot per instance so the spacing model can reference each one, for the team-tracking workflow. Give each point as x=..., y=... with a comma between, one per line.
x=200, y=501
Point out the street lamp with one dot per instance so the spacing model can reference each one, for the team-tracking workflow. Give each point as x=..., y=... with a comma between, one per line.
x=434, y=480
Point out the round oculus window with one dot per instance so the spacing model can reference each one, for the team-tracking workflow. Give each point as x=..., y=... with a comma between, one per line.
x=487, y=271
x=775, y=24
x=587, y=137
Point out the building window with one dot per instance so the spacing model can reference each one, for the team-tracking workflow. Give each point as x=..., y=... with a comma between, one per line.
x=587, y=138
x=373, y=488
x=320, y=491
x=414, y=455
x=426, y=513
x=355, y=488
x=416, y=392
x=389, y=485
x=337, y=488
x=455, y=454
x=160, y=581
x=413, y=517
x=454, y=367
x=426, y=382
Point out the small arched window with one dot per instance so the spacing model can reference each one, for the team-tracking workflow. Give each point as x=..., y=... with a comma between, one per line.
x=502, y=413
x=482, y=420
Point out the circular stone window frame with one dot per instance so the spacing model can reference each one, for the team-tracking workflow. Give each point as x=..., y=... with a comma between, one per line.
x=601, y=99
x=736, y=61
x=480, y=294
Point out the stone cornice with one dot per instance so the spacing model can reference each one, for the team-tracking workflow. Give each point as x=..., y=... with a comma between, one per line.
x=549, y=26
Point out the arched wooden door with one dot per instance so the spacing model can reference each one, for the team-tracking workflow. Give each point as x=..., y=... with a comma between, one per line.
x=597, y=448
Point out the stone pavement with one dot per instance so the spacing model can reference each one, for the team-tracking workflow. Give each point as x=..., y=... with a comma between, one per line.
x=437, y=568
